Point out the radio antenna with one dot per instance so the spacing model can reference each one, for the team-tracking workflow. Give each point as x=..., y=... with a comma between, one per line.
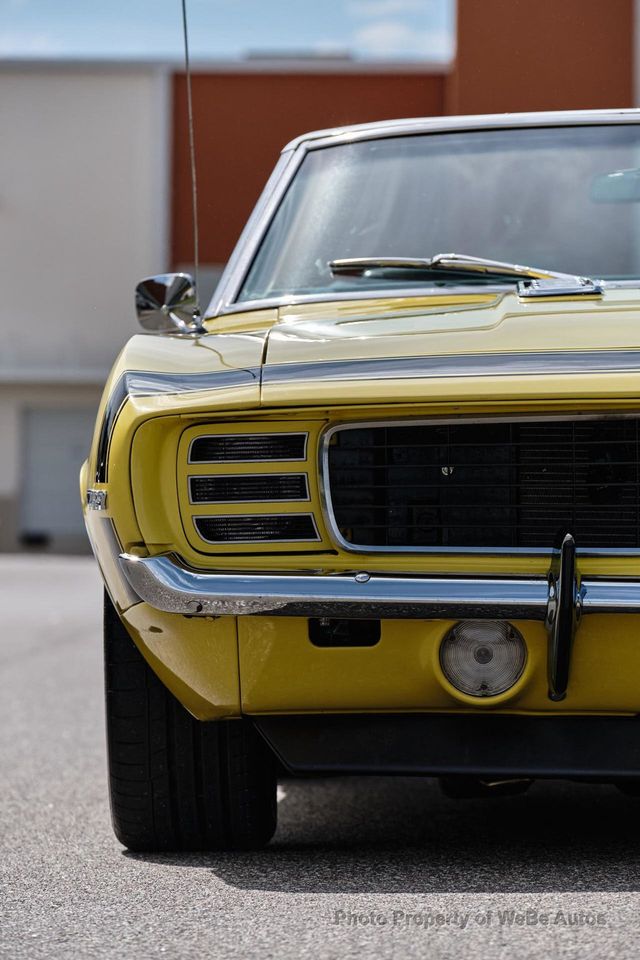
x=192, y=147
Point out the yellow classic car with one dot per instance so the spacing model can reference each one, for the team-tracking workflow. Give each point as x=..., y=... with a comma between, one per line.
x=377, y=510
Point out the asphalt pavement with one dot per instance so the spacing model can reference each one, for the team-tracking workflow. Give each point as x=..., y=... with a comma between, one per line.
x=358, y=867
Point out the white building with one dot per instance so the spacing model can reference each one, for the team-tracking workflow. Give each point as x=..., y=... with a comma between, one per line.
x=83, y=216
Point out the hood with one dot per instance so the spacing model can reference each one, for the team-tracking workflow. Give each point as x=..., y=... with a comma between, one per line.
x=475, y=347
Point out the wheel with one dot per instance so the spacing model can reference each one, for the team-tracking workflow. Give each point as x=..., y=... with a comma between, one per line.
x=176, y=783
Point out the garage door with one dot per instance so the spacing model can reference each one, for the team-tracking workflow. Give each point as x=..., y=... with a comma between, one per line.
x=55, y=444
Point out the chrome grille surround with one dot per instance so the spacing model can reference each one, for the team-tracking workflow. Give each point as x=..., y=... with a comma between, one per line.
x=585, y=549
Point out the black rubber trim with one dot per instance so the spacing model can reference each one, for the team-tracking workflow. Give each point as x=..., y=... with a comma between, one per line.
x=439, y=744
x=114, y=406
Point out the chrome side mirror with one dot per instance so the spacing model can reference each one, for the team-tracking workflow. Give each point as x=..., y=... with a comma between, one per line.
x=168, y=303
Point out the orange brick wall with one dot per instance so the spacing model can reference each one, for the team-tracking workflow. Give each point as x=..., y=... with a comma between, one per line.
x=242, y=121
x=542, y=55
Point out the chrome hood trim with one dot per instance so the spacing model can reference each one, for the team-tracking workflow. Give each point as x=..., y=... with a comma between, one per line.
x=461, y=365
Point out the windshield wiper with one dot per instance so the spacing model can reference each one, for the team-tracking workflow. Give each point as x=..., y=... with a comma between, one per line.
x=447, y=263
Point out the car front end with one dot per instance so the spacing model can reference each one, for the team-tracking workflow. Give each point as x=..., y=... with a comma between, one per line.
x=389, y=514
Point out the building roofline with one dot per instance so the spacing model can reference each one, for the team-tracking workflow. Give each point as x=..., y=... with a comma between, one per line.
x=366, y=131
x=252, y=64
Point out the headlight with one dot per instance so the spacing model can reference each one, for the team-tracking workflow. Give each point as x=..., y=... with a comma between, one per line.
x=483, y=658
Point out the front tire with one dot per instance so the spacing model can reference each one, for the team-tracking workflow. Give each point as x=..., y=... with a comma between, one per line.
x=175, y=782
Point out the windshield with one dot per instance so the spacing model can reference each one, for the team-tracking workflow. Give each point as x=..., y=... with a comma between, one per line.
x=564, y=198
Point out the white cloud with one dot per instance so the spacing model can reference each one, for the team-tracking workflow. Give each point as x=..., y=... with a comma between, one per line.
x=384, y=8
x=388, y=38
x=26, y=44
x=330, y=48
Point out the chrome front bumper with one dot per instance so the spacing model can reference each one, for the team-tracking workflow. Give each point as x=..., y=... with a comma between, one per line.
x=167, y=585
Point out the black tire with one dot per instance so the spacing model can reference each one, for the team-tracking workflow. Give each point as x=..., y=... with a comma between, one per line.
x=176, y=783
x=630, y=787
x=462, y=787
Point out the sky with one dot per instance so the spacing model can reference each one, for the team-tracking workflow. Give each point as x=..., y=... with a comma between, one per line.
x=152, y=29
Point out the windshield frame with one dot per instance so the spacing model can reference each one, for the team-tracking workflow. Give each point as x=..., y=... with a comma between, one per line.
x=224, y=300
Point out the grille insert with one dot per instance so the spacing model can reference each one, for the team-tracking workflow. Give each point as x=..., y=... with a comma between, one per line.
x=273, y=528
x=249, y=488
x=248, y=448
x=485, y=485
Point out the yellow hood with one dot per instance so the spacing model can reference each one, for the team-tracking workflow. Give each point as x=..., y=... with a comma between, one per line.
x=474, y=347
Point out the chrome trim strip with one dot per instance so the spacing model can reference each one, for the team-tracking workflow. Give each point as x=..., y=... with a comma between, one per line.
x=610, y=596
x=239, y=476
x=338, y=539
x=267, y=433
x=244, y=251
x=470, y=289
x=141, y=383
x=490, y=121
x=250, y=516
x=107, y=550
x=553, y=362
x=166, y=584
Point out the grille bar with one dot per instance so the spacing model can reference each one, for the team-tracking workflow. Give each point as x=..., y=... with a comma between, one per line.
x=487, y=485
x=249, y=488
x=248, y=447
x=272, y=528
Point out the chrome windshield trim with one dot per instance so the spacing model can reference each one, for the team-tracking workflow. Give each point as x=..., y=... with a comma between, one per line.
x=166, y=584
x=490, y=121
x=251, y=237
x=488, y=551
x=470, y=289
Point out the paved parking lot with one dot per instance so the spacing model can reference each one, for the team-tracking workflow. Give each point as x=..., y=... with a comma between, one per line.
x=358, y=868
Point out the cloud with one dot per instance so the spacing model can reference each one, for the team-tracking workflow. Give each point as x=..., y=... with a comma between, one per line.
x=331, y=48
x=384, y=8
x=392, y=38
x=28, y=44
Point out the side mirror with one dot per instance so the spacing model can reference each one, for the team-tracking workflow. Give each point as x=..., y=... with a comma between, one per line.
x=168, y=303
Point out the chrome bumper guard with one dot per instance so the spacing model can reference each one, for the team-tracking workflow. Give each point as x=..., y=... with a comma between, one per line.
x=558, y=600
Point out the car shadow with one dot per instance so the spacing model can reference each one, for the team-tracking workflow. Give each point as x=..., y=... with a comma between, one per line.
x=401, y=835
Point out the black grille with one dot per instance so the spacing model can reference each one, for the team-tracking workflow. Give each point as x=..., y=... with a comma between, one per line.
x=488, y=485
x=243, y=448
x=248, y=488
x=287, y=527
